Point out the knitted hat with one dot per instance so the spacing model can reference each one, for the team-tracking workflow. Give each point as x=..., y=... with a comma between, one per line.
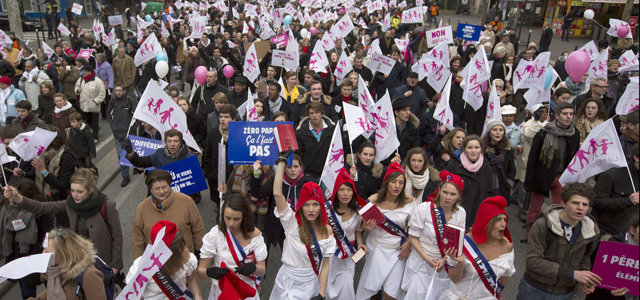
x=508, y=110
x=342, y=178
x=489, y=208
x=613, y=61
x=447, y=177
x=493, y=123
x=393, y=167
x=311, y=191
x=5, y=80
x=169, y=233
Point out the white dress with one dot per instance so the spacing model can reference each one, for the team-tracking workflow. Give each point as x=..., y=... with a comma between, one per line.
x=383, y=269
x=472, y=287
x=296, y=279
x=342, y=271
x=214, y=246
x=418, y=274
x=153, y=291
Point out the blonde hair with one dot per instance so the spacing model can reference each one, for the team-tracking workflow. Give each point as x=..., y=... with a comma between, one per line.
x=176, y=261
x=86, y=177
x=70, y=248
x=306, y=237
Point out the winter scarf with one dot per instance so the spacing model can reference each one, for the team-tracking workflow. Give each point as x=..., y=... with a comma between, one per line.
x=575, y=88
x=275, y=106
x=90, y=77
x=416, y=183
x=633, y=138
x=89, y=206
x=183, y=150
x=472, y=167
x=31, y=75
x=63, y=109
x=53, y=166
x=293, y=182
x=25, y=122
x=551, y=143
x=54, y=284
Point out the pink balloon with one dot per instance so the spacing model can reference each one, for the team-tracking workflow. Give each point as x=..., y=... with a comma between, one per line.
x=313, y=30
x=228, y=71
x=201, y=74
x=577, y=64
x=623, y=31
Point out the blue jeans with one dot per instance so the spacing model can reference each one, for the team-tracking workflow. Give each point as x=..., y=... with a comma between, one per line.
x=434, y=20
x=527, y=291
x=124, y=171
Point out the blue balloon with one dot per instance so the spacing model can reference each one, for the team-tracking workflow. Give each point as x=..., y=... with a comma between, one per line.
x=161, y=56
x=287, y=20
x=148, y=18
x=547, y=78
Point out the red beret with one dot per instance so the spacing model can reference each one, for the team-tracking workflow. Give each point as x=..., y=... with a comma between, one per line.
x=446, y=176
x=169, y=233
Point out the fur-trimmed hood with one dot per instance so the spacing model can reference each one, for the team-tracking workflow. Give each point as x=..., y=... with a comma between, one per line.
x=434, y=174
x=414, y=120
x=305, y=121
x=376, y=170
x=80, y=267
x=302, y=100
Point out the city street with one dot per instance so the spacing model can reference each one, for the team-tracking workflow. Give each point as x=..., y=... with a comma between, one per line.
x=129, y=197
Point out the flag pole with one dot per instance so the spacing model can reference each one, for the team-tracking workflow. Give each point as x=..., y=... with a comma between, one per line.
x=349, y=135
x=5, y=177
x=631, y=178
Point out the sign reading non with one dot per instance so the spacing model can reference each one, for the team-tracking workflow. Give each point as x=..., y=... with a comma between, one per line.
x=187, y=176
x=438, y=35
x=252, y=141
x=469, y=32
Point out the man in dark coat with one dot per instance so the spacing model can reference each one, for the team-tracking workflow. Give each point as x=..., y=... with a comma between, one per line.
x=363, y=71
x=314, y=139
x=545, y=38
x=228, y=113
x=552, y=149
x=238, y=95
x=274, y=103
x=629, y=137
x=314, y=95
x=202, y=101
x=406, y=126
x=414, y=94
x=387, y=41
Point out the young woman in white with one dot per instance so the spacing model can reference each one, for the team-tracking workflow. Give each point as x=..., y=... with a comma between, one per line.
x=426, y=233
x=489, y=242
x=177, y=272
x=237, y=244
x=308, y=245
x=388, y=244
x=345, y=222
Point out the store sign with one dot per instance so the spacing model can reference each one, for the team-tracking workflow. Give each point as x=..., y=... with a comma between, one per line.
x=612, y=1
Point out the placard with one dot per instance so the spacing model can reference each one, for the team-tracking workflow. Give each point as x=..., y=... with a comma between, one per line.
x=617, y=265
x=381, y=63
x=143, y=146
x=187, y=176
x=262, y=47
x=115, y=20
x=76, y=9
x=253, y=141
x=283, y=59
x=468, y=32
x=280, y=40
x=85, y=53
x=438, y=35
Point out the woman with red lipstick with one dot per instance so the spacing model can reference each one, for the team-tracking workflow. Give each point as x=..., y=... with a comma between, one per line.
x=489, y=243
x=237, y=243
x=309, y=241
x=426, y=229
x=345, y=221
x=388, y=244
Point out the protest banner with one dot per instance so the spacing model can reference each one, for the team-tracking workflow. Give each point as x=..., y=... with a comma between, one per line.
x=187, y=176
x=143, y=146
x=617, y=265
x=76, y=9
x=438, y=35
x=21, y=267
x=253, y=141
x=381, y=63
x=64, y=30
x=469, y=32
x=85, y=53
x=115, y=20
x=284, y=59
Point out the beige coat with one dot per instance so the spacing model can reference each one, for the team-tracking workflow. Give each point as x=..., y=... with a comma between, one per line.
x=92, y=94
x=124, y=71
x=529, y=130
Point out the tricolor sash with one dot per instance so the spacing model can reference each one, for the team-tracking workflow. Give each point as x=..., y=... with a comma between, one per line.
x=239, y=256
x=170, y=288
x=314, y=252
x=393, y=229
x=341, y=237
x=489, y=278
x=438, y=219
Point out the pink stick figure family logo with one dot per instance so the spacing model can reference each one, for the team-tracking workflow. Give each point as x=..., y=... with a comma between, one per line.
x=164, y=115
x=336, y=156
x=585, y=157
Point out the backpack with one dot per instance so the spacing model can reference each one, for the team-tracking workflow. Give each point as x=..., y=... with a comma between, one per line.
x=49, y=71
x=108, y=280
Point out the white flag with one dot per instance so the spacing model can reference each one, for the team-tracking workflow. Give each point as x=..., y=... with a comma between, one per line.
x=63, y=29
x=493, y=108
x=437, y=74
x=252, y=115
x=441, y=53
x=30, y=145
x=318, y=60
x=599, y=66
x=160, y=111
x=245, y=27
x=539, y=94
x=142, y=23
x=148, y=50
x=198, y=25
x=591, y=49
x=47, y=50
x=633, y=65
x=251, y=67
x=344, y=25
x=475, y=74
x=600, y=151
x=333, y=163
x=4, y=157
x=629, y=101
x=283, y=87
x=164, y=32
x=293, y=48
x=343, y=68
x=356, y=121
x=615, y=24
x=534, y=74
x=375, y=47
x=386, y=135
x=327, y=42
x=267, y=32
x=443, y=111
x=386, y=23
x=173, y=21
x=366, y=103
x=413, y=15
x=97, y=27
x=628, y=58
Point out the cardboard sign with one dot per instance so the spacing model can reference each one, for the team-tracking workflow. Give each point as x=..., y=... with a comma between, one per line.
x=115, y=20
x=262, y=47
x=187, y=176
x=143, y=146
x=253, y=141
x=617, y=264
x=85, y=53
x=438, y=35
x=76, y=9
x=283, y=59
x=381, y=63
x=280, y=40
x=468, y=32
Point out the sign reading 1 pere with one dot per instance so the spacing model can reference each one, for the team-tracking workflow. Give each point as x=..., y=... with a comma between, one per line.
x=617, y=265
x=469, y=32
x=76, y=9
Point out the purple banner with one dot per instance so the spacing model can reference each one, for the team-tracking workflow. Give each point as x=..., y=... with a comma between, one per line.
x=617, y=264
x=280, y=40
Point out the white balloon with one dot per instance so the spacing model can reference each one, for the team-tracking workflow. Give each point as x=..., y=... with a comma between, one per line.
x=303, y=33
x=588, y=14
x=162, y=69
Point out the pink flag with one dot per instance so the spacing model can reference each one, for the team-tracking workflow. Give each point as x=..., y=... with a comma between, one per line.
x=600, y=151
x=591, y=49
x=63, y=29
x=333, y=163
x=318, y=60
x=164, y=32
x=252, y=114
x=386, y=23
x=443, y=112
x=198, y=25
x=345, y=26
x=30, y=145
x=534, y=74
x=366, y=103
x=251, y=65
x=413, y=15
x=386, y=135
x=493, y=108
x=46, y=49
x=599, y=66
x=629, y=101
x=327, y=42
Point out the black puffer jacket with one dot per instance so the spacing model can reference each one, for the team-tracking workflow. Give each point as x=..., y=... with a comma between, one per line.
x=197, y=127
x=508, y=166
x=369, y=177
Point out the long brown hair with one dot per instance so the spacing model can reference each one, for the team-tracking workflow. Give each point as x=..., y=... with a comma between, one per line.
x=237, y=203
x=602, y=112
x=406, y=162
x=176, y=261
x=382, y=193
x=502, y=144
x=446, y=140
x=306, y=237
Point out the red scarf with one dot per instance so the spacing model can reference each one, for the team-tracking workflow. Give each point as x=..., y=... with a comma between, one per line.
x=293, y=182
x=25, y=122
x=345, y=99
x=304, y=49
x=86, y=79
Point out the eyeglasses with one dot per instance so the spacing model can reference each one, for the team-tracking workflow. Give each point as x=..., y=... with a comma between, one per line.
x=161, y=188
x=601, y=86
